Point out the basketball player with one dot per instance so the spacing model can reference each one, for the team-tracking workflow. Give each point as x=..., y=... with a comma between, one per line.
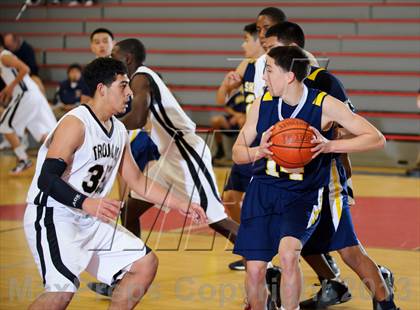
x=266, y=18
x=185, y=165
x=143, y=149
x=68, y=219
x=336, y=218
x=27, y=107
x=283, y=221
x=235, y=93
x=241, y=175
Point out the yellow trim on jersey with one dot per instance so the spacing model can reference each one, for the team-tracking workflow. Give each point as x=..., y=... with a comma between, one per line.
x=337, y=190
x=133, y=134
x=267, y=97
x=319, y=98
x=313, y=75
x=316, y=209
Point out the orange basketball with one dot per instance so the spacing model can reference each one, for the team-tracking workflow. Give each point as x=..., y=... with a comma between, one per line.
x=292, y=145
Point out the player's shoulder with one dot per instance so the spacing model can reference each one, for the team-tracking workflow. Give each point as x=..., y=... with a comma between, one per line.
x=324, y=76
x=317, y=73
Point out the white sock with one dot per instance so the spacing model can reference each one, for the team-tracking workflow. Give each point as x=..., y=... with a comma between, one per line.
x=283, y=308
x=20, y=152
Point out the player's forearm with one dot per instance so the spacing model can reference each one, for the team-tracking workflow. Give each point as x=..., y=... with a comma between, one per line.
x=221, y=95
x=360, y=143
x=21, y=74
x=157, y=194
x=242, y=154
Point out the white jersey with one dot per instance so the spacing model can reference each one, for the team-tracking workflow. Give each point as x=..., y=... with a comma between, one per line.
x=259, y=83
x=9, y=74
x=167, y=116
x=95, y=164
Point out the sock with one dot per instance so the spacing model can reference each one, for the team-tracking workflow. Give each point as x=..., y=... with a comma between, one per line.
x=20, y=152
x=283, y=308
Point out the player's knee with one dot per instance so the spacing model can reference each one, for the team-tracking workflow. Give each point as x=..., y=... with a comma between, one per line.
x=256, y=273
x=148, y=263
x=289, y=259
x=216, y=122
x=153, y=261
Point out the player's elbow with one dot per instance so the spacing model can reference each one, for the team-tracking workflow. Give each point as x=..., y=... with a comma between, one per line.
x=378, y=140
x=24, y=69
x=236, y=155
x=381, y=141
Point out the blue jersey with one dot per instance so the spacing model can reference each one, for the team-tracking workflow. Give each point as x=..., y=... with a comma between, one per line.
x=320, y=78
x=245, y=95
x=240, y=175
x=315, y=174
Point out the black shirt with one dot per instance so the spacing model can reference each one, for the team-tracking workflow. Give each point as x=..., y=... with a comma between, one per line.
x=27, y=55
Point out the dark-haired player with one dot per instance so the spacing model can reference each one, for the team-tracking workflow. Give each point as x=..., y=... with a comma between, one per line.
x=336, y=218
x=69, y=221
x=281, y=207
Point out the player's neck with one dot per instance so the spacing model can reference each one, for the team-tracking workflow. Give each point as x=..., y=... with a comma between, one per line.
x=100, y=112
x=132, y=68
x=293, y=94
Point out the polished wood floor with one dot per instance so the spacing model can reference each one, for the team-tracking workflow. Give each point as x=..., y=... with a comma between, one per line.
x=195, y=279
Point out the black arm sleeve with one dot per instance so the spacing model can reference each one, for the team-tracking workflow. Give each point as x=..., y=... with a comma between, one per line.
x=51, y=184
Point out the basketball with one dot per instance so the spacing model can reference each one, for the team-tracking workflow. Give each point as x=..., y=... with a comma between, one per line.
x=291, y=143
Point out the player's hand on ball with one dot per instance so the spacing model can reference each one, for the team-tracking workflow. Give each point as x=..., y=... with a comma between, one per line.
x=103, y=208
x=264, y=147
x=322, y=143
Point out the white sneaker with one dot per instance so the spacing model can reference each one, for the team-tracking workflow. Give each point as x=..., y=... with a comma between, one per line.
x=89, y=3
x=5, y=145
x=21, y=166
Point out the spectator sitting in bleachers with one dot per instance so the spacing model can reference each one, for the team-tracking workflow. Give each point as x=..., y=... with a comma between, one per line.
x=25, y=52
x=70, y=92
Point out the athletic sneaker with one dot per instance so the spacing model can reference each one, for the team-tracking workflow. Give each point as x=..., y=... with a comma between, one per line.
x=389, y=281
x=101, y=288
x=5, y=145
x=272, y=279
x=332, y=292
x=21, y=166
x=388, y=277
x=237, y=265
